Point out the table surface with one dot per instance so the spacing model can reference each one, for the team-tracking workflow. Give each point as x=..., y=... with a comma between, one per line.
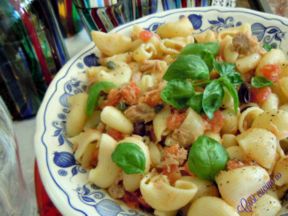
x=25, y=129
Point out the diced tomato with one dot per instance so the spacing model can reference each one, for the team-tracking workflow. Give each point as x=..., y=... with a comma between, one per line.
x=175, y=120
x=172, y=172
x=130, y=93
x=171, y=149
x=271, y=72
x=215, y=124
x=117, y=135
x=234, y=164
x=145, y=36
x=259, y=95
x=113, y=98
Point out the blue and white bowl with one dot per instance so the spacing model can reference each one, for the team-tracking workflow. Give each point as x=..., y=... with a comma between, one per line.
x=64, y=179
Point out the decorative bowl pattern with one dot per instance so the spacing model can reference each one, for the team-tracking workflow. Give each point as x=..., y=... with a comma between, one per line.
x=65, y=181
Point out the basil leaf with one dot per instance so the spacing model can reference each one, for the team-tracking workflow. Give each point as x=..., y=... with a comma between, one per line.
x=94, y=94
x=199, y=48
x=267, y=47
x=195, y=102
x=259, y=82
x=209, y=59
x=187, y=67
x=129, y=157
x=235, y=78
x=232, y=90
x=212, y=98
x=177, y=92
x=224, y=68
x=207, y=157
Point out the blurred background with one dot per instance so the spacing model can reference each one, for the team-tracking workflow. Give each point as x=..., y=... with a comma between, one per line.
x=37, y=37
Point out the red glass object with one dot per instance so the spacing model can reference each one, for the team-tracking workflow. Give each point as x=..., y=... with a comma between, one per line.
x=45, y=205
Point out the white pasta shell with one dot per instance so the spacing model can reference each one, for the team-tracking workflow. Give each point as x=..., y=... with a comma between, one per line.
x=106, y=171
x=230, y=183
x=115, y=119
x=274, y=121
x=281, y=169
x=260, y=145
x=160, y=195
x=247, y=117
x=208, y=206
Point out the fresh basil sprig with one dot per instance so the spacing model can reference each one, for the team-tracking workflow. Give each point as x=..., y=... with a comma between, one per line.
x=195, y=102
x=187, y=67
x=232, y=90
x=130, y=157
x=259, y=82
x=177, y=92
x=212, y=98
x=94, y=94
x=228, y=70
x=200, y=48
x=207, y=157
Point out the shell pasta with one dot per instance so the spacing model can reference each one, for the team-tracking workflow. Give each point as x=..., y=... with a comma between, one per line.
x=181, y=122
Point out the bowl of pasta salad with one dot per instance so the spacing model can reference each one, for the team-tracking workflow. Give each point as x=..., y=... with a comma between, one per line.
x=183, y=112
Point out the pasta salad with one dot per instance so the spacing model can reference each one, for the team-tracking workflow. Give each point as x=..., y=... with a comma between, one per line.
x=177, y=122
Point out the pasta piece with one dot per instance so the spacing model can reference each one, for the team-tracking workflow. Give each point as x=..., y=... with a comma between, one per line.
x=206, y=205
x=274, y=121
x=229, y=54
x=122, y=57
x=136, y=30
x=143, y=52
x=281, y=169
x=160, y=195
x=274, y=56
x=160, y=123
x=236, y=153
x=230, y=121
x=260, y=145
x=77, y=116
x=245, y=28
x=192, y=127
x=266, y=205
x=283, y=83
x=204, y=187
x=155, y=154
x=111, y=43
x=88, y=158
x=180, y=28
x=206, y=36
x=230, y=183
x=115, y=119
x=284, y=107
x=147, y=82
x=247, y=117
x=248, y=63
x=131, y=182
x=106, y=171
x=171, y=46
x=82, y=141
x=229, y=140
x=120, y=75
x=271, y=103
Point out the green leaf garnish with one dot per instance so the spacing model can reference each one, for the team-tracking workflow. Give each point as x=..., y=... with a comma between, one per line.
x=259, y=82
x=207, y=157
x=130, y=157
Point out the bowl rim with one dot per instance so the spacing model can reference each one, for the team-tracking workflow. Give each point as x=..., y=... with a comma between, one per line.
x=58, y=196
